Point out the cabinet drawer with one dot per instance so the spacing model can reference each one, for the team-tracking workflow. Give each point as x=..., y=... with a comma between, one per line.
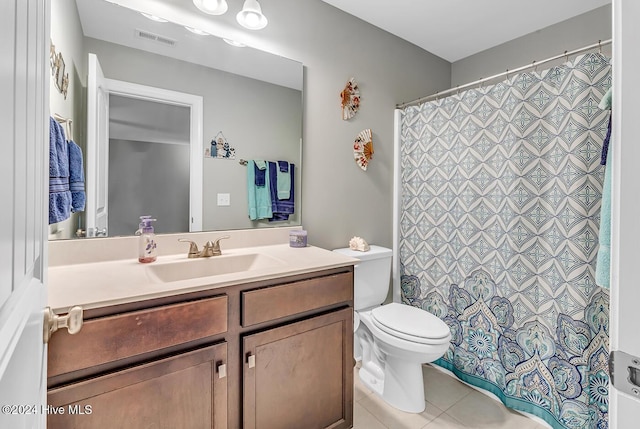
x=111, y=338
x=263, y=305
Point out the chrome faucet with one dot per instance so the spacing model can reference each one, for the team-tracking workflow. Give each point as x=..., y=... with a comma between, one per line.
x=210, y=248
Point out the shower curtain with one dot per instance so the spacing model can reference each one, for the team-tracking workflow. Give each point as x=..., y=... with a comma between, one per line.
x=500, y=203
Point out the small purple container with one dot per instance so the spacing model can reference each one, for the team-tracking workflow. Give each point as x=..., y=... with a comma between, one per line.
x=298, y=238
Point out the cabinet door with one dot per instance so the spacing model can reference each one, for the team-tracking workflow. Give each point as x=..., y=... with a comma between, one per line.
x=300, y=375
x=188, y=390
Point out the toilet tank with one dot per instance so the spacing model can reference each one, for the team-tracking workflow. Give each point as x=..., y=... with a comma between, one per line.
x=371, y=275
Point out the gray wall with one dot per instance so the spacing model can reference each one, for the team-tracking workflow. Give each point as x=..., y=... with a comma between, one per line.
x=140, y=183
x=252, y=115
x=574, y=33
x=339, y=200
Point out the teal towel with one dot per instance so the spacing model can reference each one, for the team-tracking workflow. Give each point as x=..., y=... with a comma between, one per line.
x=283, y=180
x=605, y=103
x=259, y=197
x=603, y=263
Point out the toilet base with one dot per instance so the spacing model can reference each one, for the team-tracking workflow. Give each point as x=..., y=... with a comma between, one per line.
x=404, y=385
x=400, y=384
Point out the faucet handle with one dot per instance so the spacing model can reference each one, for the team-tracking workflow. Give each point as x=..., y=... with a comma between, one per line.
x=193, y=248
x=216, y=245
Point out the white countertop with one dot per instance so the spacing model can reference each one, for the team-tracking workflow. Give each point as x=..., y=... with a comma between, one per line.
x=100, y=284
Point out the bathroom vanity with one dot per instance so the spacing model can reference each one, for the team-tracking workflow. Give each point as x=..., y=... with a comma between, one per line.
x=267, y=347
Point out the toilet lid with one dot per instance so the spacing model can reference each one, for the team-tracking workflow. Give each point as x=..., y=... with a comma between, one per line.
x=410, y=323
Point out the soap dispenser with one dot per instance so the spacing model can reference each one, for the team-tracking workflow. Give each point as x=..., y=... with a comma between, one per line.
x=147, y=241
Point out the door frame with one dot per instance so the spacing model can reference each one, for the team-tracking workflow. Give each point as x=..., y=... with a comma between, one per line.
x=195, y=105
x=625, y=206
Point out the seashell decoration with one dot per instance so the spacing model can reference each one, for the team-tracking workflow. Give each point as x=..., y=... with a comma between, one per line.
x=363, y=148
x=358, y=243
x=350, y=97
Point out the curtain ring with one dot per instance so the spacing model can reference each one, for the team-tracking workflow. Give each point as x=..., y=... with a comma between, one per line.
x=600, y=46
x=535, y=67
x=507, y=74
x=566, y=56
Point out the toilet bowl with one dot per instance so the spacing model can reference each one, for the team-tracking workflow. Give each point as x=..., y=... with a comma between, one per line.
x=393, y=340
x=392, y=357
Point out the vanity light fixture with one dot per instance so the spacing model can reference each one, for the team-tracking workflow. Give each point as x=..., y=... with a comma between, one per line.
x=212, y=7
x=153, y=17
x=234, y=43
x=251, y=16
x=197, y=31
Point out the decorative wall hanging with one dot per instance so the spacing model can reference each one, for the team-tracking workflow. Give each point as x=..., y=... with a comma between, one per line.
x=60, y=78
x=220, y=148
x=363, y=148
x=350, y=96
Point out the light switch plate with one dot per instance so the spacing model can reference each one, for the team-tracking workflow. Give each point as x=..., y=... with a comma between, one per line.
x=224, y=199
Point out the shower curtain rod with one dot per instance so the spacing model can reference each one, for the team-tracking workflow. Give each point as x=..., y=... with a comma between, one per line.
x=480, y=81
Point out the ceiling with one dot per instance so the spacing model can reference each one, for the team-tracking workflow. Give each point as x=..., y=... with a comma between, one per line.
x=118, y=22
x=455, y=29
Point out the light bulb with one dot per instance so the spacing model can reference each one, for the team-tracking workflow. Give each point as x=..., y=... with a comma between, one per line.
x=252, y=19
x=251, y=16
x=212, y=7
x=210, y=4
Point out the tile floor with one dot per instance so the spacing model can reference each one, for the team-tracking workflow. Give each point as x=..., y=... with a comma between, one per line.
x=450, y=405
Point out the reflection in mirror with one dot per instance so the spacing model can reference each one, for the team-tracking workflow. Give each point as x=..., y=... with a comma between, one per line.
x=252, y=97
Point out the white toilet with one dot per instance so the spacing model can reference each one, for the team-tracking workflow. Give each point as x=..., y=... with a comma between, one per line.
x=392, y=340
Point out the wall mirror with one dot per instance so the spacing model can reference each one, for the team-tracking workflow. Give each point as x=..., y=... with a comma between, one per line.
x=251, y=97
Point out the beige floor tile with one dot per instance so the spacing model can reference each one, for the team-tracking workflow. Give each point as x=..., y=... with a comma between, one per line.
x=479, y=411
x=445, y=421
x=396, y=419
x=441, y=389
x=363, y=419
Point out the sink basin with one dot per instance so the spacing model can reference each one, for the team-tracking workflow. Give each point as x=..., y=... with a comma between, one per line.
x=213, y=266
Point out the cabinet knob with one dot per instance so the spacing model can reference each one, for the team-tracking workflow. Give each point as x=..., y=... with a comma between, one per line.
x=52, y=322
x=222, y=370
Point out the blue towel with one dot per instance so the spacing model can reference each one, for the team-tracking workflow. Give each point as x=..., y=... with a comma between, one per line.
x=260, y=169
x=605, y=145
x=281, y=208
x=259, y=197
x=59, y=192
x=76, y=178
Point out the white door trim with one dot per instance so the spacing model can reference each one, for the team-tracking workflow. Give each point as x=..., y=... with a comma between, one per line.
x=195, y=105
x=625, y=205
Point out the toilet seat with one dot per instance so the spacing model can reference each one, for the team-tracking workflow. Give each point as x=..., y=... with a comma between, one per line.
x=410, y=323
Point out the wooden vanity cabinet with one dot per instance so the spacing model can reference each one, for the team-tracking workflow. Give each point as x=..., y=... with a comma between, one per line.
x=182, y=391
x=300, y=375
x=139, y=369
x=264, y=355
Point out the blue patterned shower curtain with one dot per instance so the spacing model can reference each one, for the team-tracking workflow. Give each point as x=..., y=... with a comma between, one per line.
x=501, y=189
